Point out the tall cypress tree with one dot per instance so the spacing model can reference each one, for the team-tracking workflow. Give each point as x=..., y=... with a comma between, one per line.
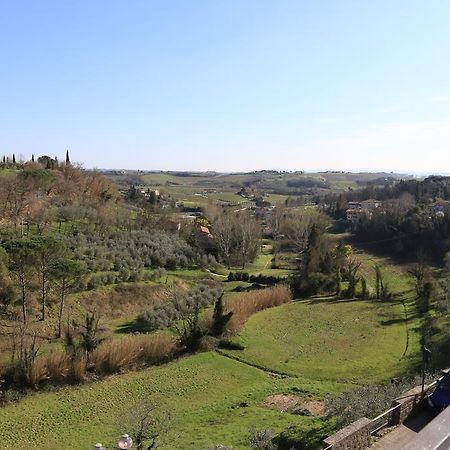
x=67, y=157
x=14, y=158
x=220, y=319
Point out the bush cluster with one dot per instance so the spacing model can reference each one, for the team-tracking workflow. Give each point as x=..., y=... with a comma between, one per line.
x=369, y=401
x=180, y=306
x=314, y=284
x=260, y=279
x=112, y=356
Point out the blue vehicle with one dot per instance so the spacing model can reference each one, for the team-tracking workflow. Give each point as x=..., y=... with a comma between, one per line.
x=440, y=398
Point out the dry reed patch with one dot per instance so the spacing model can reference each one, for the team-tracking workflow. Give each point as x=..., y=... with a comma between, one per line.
x=132, y=352
x=248, y=303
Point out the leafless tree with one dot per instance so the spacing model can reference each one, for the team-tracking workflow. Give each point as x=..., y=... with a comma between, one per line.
x=224, y=233
x=248, y=233
x=145, y=425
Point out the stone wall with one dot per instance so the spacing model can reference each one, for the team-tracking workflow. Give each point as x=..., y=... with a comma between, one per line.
x=356, y=436
x=408, y=404
x=353, y=437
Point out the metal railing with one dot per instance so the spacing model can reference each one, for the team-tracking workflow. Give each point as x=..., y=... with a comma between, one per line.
x=383, y=420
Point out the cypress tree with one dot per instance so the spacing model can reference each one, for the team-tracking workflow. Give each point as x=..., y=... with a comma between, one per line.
x=32, y=158
x=220, y=319
x=338, y=281
x=14, y=158
x=67, y=157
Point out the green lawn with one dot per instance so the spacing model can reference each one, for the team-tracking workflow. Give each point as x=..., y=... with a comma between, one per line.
x=202, y=393
x=335, y=341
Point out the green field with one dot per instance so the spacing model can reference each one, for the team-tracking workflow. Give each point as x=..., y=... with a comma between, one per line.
x=312, y=348
x=325, y=346
x=333, y=341
x=197, y=189
x=202, y=394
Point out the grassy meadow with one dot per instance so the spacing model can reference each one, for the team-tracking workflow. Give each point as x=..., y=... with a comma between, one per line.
x=210, y=399
x=310, y=348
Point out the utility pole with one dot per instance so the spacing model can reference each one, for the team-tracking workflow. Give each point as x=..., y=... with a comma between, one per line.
x=426, y=354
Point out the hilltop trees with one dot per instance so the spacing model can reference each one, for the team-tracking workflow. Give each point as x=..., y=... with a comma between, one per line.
x=36, y=193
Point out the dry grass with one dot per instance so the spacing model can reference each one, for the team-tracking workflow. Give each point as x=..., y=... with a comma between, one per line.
x=113, y=356
x=125, y=300
x=58, y=367
x=248, y=303
x=132, y=352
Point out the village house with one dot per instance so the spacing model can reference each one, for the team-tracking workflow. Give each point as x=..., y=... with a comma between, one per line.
x=355, y=209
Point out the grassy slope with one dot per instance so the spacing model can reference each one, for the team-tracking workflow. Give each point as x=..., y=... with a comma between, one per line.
x=352, y=341
x=305, y=339
x=201, y=394
x=335, y=341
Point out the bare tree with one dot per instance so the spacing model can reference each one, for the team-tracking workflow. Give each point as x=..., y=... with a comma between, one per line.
x=65, y=272
x=248, y=233
x=224, y=234
x=145, y=425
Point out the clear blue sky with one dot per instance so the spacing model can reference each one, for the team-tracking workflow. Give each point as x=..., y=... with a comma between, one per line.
x=228, y=85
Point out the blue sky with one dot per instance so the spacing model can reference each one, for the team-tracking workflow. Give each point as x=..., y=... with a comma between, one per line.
x=228, y=85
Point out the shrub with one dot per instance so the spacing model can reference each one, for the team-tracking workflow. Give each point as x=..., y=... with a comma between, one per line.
x=264, y=279
x=315, y=283
x=262, y=440
x=305, y=437
x=238, y=276
x=367, y=401
x=227, y=344
x=179, y=307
